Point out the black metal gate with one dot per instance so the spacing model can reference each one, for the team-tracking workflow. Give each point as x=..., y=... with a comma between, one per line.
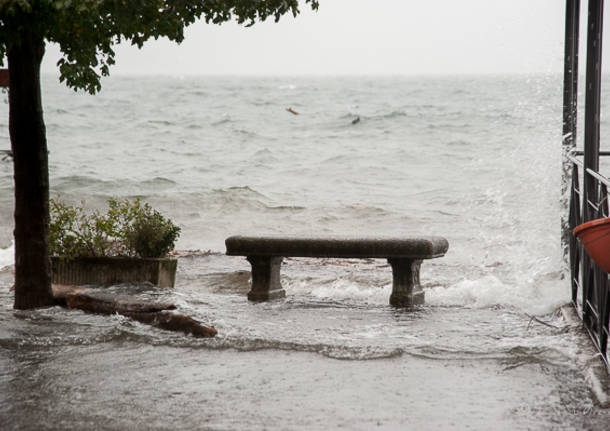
x=590, y=284
x=588, y=194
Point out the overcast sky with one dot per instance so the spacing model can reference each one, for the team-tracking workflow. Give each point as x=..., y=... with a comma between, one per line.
x=390, y=37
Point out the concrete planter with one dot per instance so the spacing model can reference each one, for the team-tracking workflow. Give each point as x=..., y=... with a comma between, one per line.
x=111, y=270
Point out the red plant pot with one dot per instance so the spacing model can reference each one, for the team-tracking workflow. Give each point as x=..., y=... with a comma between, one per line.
x=595, y=237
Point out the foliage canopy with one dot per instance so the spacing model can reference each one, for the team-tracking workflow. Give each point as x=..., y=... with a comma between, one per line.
x=87, y=30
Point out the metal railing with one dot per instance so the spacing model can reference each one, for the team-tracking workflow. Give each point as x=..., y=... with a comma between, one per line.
x=589, y=282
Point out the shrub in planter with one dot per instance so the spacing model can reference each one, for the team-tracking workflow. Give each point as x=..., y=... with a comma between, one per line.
x=130, y=235
x=130, y=229
x=151, y=235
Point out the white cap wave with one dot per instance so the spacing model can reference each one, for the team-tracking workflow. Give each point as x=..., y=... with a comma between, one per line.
x=7, y=256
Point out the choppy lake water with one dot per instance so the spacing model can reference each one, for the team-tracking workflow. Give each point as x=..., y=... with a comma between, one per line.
x=474, y=159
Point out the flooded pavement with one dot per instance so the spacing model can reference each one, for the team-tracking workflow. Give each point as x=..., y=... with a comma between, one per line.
x=315, y=360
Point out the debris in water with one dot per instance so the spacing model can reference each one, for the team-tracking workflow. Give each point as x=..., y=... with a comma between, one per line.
x=151, y=313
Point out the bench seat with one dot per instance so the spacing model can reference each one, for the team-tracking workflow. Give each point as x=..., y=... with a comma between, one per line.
x=405, y=255
x=341, y=247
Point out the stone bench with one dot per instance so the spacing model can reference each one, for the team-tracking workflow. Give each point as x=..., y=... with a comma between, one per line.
x=405, y=255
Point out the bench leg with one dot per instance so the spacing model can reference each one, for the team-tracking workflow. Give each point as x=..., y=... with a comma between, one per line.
x=406, y=291
x=265, y=278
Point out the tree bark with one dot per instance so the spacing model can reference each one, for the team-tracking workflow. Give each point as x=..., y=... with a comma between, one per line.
x=31, y=175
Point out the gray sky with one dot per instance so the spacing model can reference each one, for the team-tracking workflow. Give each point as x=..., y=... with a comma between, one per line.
x=390, y=37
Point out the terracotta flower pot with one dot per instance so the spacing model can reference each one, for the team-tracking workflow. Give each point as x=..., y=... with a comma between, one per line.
x=595, y=237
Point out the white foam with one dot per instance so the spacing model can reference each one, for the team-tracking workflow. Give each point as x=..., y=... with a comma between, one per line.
x=7, y=256
x=538, y=296
x=348, y=290
x=594, y=378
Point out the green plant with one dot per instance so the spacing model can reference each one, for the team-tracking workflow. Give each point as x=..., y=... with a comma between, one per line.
x=128, y=228
x=151, y=234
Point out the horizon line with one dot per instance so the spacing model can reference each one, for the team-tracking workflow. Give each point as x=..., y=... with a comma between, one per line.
x=320, y=75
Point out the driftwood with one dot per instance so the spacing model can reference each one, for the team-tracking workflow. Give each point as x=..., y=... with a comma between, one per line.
x=173, y=322
x=152, y=313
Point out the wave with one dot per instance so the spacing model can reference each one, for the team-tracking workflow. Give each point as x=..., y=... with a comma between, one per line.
x=161, y=122
x=75, y=181
x=158, y=181
x=118, y=329
x=242, y=344
x=351, y=116
x=239, y=198
x=448, y=126
x=243, y=191
x=114, y=328
x=245, y=132
x=263, y=152
x=264, y=155
x=394, y=114
x=84, y=187
x=291, y=208
x=194, y=126
x=537, y=297
x=354, y=211
x=226, y=120
x=382, y=116
x=458, y=143
x=199, y=93
x=7, y=256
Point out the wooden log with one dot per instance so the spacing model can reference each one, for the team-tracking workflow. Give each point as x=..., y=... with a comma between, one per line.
x=108, y=305
x=61, y=291
x=151, y=313
x=173, y=322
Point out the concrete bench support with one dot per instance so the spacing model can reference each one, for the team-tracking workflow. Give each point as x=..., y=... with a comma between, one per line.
x=406, y=290
x=405, y=255
x=265, y=278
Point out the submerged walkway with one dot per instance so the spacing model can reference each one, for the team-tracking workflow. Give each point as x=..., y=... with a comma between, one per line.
x=332, y=355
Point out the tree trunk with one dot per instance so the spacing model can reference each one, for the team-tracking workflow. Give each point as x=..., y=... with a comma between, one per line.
x=29, y=146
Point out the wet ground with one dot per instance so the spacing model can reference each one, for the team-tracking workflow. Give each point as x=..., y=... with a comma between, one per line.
x=333, y=355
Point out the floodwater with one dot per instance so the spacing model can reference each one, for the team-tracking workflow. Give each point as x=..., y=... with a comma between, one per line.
x=474, y=159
